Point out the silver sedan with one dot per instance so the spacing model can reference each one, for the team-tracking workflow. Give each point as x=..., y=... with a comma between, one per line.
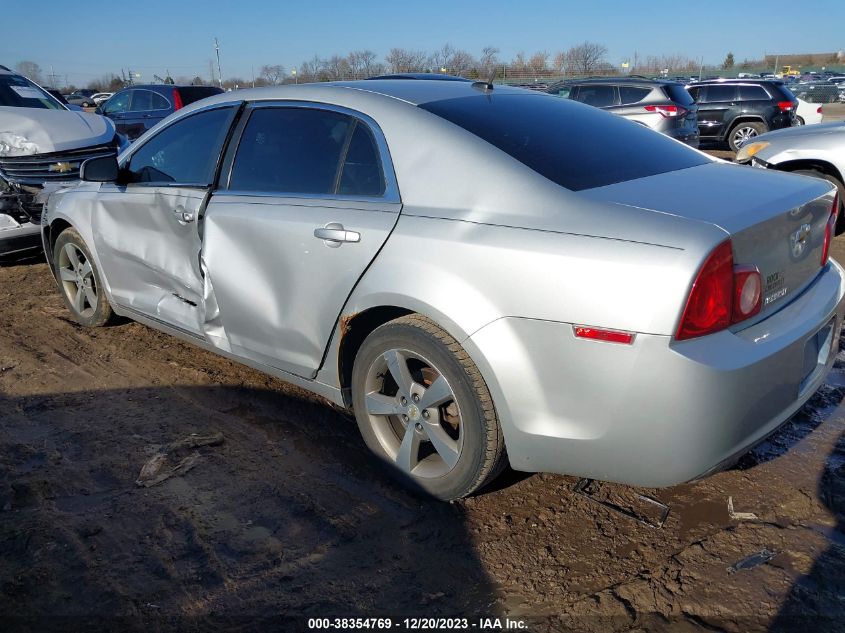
x=483, y=275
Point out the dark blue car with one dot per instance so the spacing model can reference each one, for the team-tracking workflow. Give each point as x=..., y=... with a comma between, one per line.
x=136, y=109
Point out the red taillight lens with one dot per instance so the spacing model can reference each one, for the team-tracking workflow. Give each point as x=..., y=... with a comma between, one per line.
x=829, y=229
x=177, y=99
x=748, y=292
x=669, y=111
x=819, y=110
x=709, y=304
x=609, y=336
x=786, y=106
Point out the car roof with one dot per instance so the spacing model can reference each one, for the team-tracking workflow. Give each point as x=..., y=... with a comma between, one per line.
x=628, y=80
x=419, y=76
x=750, y=80
x=410, y=91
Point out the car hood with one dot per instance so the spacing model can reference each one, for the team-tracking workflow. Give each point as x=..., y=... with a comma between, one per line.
x=41, y=131
x=804, y=131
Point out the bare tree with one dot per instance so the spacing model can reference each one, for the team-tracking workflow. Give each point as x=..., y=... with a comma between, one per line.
x=519, y=63
x=586, y=58
x=538, y=63
x=312, y=70
x=488, y=62
x=337, y=68
x=30, y=70
x=400, y=60
x=273, y=75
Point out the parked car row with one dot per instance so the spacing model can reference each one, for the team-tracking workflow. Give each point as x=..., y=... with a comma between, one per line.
x=731, y=111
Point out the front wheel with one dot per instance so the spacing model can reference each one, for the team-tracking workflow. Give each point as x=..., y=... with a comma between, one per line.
x=424, y=409
x=79, y=280
x=742, y=133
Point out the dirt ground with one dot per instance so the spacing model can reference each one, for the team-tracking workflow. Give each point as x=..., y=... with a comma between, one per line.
x=288, y=518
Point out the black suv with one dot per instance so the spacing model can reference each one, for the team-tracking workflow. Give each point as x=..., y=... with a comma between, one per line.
x=737, y=110
x=136, y=109
x=664, y=106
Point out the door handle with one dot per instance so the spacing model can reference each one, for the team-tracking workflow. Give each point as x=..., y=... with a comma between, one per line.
x=183, y=216
x=334, y=234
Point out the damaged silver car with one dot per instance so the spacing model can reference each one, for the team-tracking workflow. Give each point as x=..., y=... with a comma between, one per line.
x=483, y=275
x=42, y=145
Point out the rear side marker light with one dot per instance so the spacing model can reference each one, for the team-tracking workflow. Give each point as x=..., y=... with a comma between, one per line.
x=668, y=111
x=608, y=336
x=829, y=229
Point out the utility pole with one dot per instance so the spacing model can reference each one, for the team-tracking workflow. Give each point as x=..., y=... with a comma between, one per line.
x=219, y=74
x=52, y=77
x=253, y=76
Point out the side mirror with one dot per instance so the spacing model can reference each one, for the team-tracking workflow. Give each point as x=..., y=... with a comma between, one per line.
x=100, y=169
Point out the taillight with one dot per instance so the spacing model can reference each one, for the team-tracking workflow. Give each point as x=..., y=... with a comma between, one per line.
x=748, y=293
x=669, y=111
x=721, y=295
x=819, y=110
x=177, y=99
x=829, y=229
x=786, y=106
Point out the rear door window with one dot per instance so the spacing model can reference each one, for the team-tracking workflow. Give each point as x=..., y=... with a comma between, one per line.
x=573, y=146
x=717, y=93
x=143, y=100
x=753, y=93
x=185, y=152
x=599, y=96
x=631, y=94
x=291, y=150
x=361, y=174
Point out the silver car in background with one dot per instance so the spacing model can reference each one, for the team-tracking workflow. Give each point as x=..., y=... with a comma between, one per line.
x=817, y=151
x=482, y=275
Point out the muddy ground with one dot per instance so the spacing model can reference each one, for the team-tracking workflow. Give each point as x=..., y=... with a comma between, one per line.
x=289, y=518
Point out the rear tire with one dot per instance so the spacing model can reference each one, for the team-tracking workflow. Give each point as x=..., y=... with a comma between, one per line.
x=840, y=221
x=79, y=281
x=742, y=133
x=799, y=120
x=423, y=408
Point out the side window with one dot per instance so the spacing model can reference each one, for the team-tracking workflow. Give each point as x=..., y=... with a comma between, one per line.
x=159, y=102
x=564, y=92
x=753, y=93
x=117, y=103
x=291, y=150
x=185, y=152
x=716, y=93
x=630, y=94
x=361, y=174
x=597, y=95
x=142, y=100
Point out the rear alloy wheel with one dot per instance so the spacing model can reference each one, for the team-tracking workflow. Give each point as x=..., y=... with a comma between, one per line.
x=742, y=133
x=79, y=280
x=424, y=409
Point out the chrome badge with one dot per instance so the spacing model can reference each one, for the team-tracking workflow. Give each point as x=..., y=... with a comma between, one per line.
x=62, y=168
x=798, y=240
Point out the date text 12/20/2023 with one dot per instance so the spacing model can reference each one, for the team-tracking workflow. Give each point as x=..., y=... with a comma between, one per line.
x=418, y=624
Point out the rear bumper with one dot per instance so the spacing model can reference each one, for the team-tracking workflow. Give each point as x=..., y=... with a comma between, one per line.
x=658, y=412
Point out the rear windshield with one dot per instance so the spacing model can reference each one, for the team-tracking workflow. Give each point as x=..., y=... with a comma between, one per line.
x=575, y=146
x=678, y=94
x=190, y=94
x=18, y=92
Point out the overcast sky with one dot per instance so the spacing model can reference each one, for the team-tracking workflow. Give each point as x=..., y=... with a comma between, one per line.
x=85, y=40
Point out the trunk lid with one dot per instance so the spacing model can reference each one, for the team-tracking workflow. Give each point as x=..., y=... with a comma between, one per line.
x=776, y=221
